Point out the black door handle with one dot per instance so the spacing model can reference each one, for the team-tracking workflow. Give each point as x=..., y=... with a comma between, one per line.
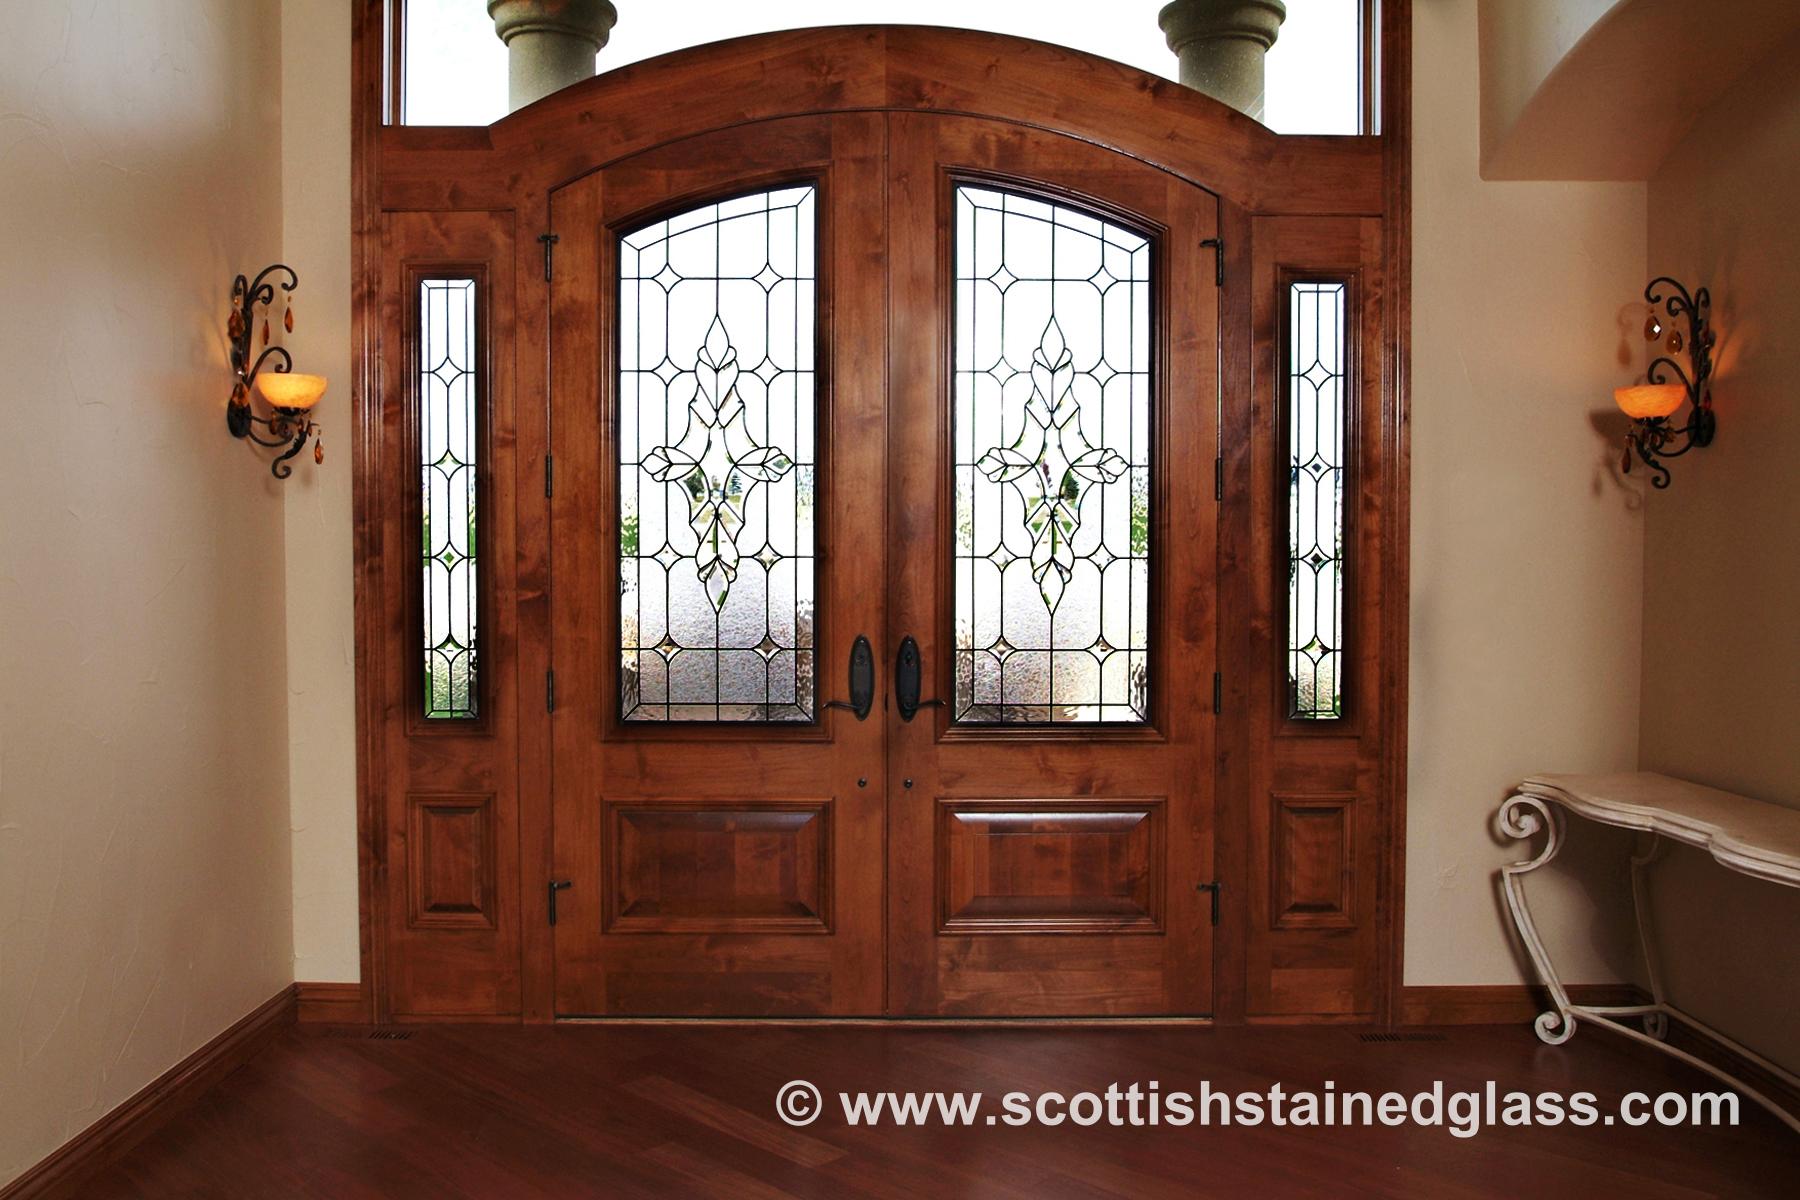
x=862, y=680
x=907, y=672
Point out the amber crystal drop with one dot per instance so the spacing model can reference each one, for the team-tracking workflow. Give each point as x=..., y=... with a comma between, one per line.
x=287, y=319
x=319, y=453
x=265, y=331
x=1675, y=342
x=237, y=393
x=235, y=326
x=1652, y=328
x=1625, y=459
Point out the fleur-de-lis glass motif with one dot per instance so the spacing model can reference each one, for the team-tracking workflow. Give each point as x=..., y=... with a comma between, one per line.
x=1051, y=464
x=717, y=463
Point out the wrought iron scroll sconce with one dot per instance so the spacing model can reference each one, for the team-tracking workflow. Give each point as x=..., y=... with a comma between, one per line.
x=289, y=394
x=1651, y=405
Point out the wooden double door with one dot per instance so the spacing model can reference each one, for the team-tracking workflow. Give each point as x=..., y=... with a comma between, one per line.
x=883, y=542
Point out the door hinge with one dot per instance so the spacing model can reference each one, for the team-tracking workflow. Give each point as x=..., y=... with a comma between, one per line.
x=557, y=885
x=550, y=691
x=1215, y=887
x=549, y=241
x=1218, y=693
x=1219, y=478
x=1218, y=249
x=549, y=475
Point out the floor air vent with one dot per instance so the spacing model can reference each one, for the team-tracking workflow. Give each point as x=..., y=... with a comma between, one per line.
x=365, y=1034
x=1401, y=1037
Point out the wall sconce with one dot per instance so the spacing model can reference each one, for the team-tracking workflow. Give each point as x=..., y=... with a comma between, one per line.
x=1650, y=405
x=289, y=395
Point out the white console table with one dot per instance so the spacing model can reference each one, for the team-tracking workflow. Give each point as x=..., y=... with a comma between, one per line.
x=1750, y=836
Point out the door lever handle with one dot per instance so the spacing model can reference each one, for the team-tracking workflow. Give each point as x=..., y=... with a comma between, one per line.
x=862, y=680
x=907, y=681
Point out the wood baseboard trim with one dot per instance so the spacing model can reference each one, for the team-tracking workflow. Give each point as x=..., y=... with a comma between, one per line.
x=333, y=1004
x=1704, y=1048
x=1501, y=1003
x=101, y=1143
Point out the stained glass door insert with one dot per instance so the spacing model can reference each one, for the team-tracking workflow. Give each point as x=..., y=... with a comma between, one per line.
x=1052, y=436
x=716, y=483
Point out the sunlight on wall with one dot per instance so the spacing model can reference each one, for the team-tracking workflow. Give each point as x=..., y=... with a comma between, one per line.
x=456, y=67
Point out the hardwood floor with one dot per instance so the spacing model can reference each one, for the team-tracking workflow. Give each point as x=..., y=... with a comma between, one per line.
x=640, y=1110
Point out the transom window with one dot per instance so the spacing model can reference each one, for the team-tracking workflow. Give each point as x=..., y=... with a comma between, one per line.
x=455, y=67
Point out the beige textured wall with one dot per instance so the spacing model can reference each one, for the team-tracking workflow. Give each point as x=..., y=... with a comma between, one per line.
x=1527, y=552
x=144, y=870
x=315, y=145
x=1722, y=550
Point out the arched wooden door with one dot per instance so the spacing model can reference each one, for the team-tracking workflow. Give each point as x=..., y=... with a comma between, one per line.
x=1063, y=392
x=883, y=575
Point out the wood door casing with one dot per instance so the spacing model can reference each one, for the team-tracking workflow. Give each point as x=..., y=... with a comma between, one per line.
x=1089, y=839
x=718, y=868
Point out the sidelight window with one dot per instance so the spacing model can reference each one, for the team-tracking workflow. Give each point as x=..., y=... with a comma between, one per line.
x=717, y=398
x=1052, y=459
x=1317, y=413
x=449, y=469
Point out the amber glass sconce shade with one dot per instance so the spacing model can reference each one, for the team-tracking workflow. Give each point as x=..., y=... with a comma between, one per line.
x=1683, y=324
x=289, y=394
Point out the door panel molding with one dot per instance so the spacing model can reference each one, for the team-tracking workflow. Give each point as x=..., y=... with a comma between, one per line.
x=1050, y=866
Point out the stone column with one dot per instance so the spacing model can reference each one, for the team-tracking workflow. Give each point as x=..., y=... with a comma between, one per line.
x=1221, y=44
x=550, y=44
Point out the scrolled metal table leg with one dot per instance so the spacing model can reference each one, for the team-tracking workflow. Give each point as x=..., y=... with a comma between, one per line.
x=1521, y=818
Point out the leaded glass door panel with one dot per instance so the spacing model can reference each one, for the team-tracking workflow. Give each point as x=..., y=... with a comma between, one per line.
x=717, y=324
x=1053, y=396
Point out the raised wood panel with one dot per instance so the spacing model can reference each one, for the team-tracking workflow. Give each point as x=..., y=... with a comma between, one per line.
x=450, y=864
x=1050, y=866
x=1313, y=864
x=717, y=867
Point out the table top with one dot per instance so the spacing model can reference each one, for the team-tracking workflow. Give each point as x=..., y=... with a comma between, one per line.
x=1754, y=837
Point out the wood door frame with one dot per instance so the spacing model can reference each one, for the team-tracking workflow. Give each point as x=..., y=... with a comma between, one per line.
x=511, y=166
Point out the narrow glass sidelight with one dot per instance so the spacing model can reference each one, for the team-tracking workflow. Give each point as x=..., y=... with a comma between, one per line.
x=1317, y=413
x=717, y=415
x=449, y=471
x=1052, y=436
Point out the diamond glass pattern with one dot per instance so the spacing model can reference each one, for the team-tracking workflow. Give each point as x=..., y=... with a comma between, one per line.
x=448, y=470
x=716, y=461
x=1315, y=519
x=1053, y=395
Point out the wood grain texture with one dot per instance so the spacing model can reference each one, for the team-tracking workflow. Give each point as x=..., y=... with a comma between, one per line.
x=1050, y=866
x=703, y=866
x=66, y=1172
x=462, y=1113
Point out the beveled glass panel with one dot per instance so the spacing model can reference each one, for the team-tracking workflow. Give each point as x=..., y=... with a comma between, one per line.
x=1053, y=395
x=717, y=399
x=447, y=471
x=1315, y=517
